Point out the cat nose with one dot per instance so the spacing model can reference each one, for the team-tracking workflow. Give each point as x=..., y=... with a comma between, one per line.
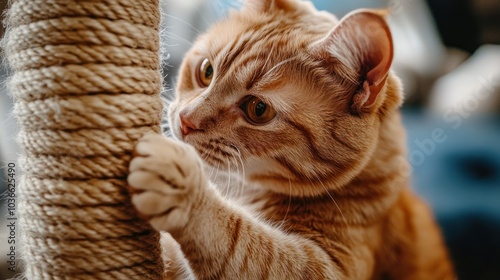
x=187, y=125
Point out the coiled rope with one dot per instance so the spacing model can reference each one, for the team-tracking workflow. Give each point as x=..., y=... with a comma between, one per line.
x=86, y=86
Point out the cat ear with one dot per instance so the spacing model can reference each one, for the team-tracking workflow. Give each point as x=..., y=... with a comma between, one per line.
x=362, y=42
x=263, y=6
x=258, y=5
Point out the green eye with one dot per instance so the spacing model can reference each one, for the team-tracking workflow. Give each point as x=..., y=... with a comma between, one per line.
x=257, y=111
x=205, y=73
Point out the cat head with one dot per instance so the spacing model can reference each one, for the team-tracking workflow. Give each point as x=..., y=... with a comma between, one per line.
x=292, y=94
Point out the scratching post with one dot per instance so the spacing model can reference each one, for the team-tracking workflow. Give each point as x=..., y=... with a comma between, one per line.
x=86, y=85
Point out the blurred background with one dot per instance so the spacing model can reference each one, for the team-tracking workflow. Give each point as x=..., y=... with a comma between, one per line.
x=448, y=54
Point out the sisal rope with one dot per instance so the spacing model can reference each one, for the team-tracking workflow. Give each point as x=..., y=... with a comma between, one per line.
x=86, y=86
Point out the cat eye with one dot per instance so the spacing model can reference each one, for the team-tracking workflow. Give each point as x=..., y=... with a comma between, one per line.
x=257, y=111
x=205, y=73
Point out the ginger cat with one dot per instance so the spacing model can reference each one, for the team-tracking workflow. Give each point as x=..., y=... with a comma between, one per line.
x=305, y=107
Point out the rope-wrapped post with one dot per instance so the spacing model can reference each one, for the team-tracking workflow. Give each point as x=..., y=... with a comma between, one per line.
x=86, y=85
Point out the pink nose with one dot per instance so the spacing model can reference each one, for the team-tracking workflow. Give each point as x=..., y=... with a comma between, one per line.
x=187, y=125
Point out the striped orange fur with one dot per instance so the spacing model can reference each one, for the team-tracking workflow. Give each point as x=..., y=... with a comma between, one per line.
x=326, y=193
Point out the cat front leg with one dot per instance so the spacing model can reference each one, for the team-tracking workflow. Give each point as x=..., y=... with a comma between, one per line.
x=225, y=242
x=167, y=180
x=164, y=178
x=220, y=240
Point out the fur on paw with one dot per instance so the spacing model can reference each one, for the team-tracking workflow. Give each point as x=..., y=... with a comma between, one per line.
x=167, y=179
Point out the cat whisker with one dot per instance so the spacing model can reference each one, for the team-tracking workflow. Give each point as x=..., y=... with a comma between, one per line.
x=216, y=171
x=228, y=186
x=240, y=160
x=208, y=155
x=267, y=60
x=169, y=94
x=204, y=18
x=289, y=203
x=243, y=176
x=214, y=175
x=335, y=202
x=237, y=185
x=171, y=35
x=240, y=184
x=198, y=32
x=210, y=176
x=167, y=97
x=279, y=64
x=204, y=157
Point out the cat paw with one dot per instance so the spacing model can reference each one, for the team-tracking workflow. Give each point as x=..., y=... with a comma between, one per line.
x=167, y=179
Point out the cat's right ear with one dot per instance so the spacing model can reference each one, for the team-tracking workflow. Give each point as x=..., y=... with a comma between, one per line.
x=361, y=42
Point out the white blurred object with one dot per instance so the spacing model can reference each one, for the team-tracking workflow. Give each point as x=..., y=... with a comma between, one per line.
x=419, y=53
x=417, y=44
x=474, y=86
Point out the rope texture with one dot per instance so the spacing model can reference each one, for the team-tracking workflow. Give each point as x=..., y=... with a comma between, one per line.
x=86, y=85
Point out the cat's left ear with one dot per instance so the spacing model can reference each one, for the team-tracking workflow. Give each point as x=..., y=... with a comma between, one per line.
x=362, y=42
